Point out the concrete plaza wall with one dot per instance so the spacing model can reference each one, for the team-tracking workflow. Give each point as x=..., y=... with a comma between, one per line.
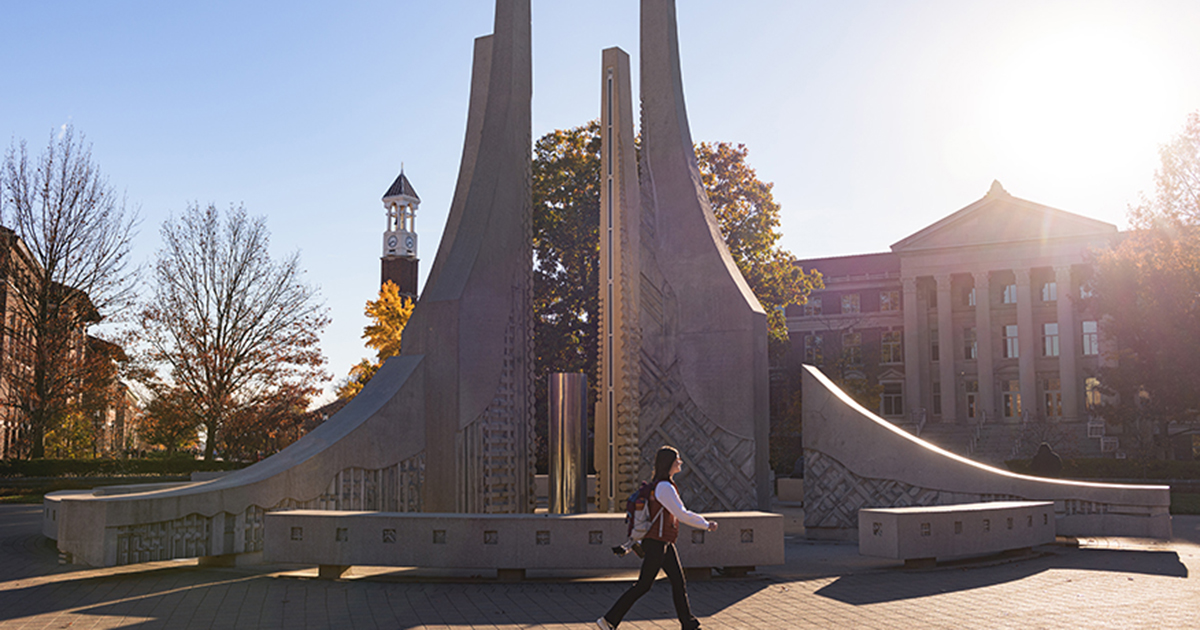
x=506, y=541
x=854, y=459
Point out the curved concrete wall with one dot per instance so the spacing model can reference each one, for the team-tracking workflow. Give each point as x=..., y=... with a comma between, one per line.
x=378, y=431
x=445, y=427
x=853, y=459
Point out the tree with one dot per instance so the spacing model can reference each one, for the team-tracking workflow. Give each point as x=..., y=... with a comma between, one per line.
x=235, y=329
x=749, y=219
x=170, y=420
x=566, y=242
x=1147, y=289
x=68, y=261
x=389, y=315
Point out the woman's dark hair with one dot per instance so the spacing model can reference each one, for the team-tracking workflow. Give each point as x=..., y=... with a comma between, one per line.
x=662, y=463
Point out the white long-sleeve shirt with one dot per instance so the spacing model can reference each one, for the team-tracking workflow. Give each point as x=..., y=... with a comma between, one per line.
x=665, y=494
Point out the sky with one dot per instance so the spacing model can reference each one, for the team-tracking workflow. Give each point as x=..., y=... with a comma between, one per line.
x=873, y=119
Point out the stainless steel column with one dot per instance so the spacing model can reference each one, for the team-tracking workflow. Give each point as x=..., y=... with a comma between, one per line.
x=568, y=443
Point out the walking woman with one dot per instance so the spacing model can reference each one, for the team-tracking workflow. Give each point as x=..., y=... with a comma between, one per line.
x=666, y=512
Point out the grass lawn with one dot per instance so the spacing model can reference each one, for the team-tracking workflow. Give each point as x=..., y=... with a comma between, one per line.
x=1185, y=503
x=32, y=499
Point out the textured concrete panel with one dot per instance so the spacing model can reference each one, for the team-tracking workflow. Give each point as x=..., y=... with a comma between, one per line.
x=853, y=460
x=704, y=380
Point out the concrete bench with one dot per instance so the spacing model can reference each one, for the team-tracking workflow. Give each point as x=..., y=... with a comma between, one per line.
x=920, y=535
x=507, y=543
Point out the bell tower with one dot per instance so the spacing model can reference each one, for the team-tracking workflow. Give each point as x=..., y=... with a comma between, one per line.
x=399, y=261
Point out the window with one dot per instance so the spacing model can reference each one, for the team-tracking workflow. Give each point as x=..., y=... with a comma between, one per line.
x=813, y=349
x=1052, y=390
x=893, y=399
x=970, y=344
x=891, y=348
x=1011, y=347
x=972, y=388
x=812, y=306
x=1010, y=294
x=1091, y=393
x=935, y=350
x=1050, y=292
x=1011, y=398
x=969, y=297
x=850, y=303
x=937, y=399
x=1091, y=338
x=852, y=348
x=1049, y=340
x=889, y=300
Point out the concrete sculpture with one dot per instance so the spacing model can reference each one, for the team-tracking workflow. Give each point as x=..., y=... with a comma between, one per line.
x=445, y=427
x=703, y=369
x=853, y=459
x=617, y=449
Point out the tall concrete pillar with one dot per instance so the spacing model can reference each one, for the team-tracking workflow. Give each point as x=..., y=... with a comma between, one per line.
x=617, y=452
x=912, y=346
x=986, y=342
x=946, y=349
x=1029, y=343
x=474, y=323
x=1068, y=340
x=705, y=380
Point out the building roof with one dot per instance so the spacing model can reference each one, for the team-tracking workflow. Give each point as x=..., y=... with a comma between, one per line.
x=1002, y=218
x=401, y=188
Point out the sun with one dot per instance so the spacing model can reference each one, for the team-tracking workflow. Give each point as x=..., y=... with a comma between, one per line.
x=1083, y=102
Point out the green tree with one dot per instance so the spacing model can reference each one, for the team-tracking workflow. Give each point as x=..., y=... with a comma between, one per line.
x=566, y=241
x=389, y=315
x=1147, y=289
x=233, y=327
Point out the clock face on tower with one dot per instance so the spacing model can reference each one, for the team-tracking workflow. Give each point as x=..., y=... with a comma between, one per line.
x=408, y=242
x=392, y=241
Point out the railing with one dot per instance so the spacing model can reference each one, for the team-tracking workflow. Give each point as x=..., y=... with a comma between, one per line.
x=976, y=433
x=918, y=417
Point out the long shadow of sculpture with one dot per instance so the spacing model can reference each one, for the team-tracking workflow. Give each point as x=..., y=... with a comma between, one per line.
x=901, y=584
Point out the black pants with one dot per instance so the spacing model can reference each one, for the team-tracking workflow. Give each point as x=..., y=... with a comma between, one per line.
x=659, y=555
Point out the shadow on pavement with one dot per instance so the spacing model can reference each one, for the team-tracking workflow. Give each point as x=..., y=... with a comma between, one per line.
x=901, y=584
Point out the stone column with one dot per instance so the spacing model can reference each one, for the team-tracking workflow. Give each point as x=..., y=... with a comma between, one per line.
x=617, y=455
x=912, y=346
x=1028, y=342
x=984, y=337
x=946, y=354
x=1068, y=338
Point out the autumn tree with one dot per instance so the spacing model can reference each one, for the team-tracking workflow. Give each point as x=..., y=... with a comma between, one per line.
x=389, y=315
x=749, y=219
x=67, y=262
x=170, y=420
x=1147, y=289
x=234, y=328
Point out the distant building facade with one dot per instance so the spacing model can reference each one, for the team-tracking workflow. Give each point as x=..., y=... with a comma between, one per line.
x=114, y=411
x=974, y=319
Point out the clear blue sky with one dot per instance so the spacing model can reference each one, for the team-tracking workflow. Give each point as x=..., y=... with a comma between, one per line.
x=873, y=119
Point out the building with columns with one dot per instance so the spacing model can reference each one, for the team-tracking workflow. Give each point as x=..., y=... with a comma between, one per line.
x=972, y=320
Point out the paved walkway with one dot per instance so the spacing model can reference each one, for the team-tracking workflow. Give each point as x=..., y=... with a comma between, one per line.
x=1107, y=583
